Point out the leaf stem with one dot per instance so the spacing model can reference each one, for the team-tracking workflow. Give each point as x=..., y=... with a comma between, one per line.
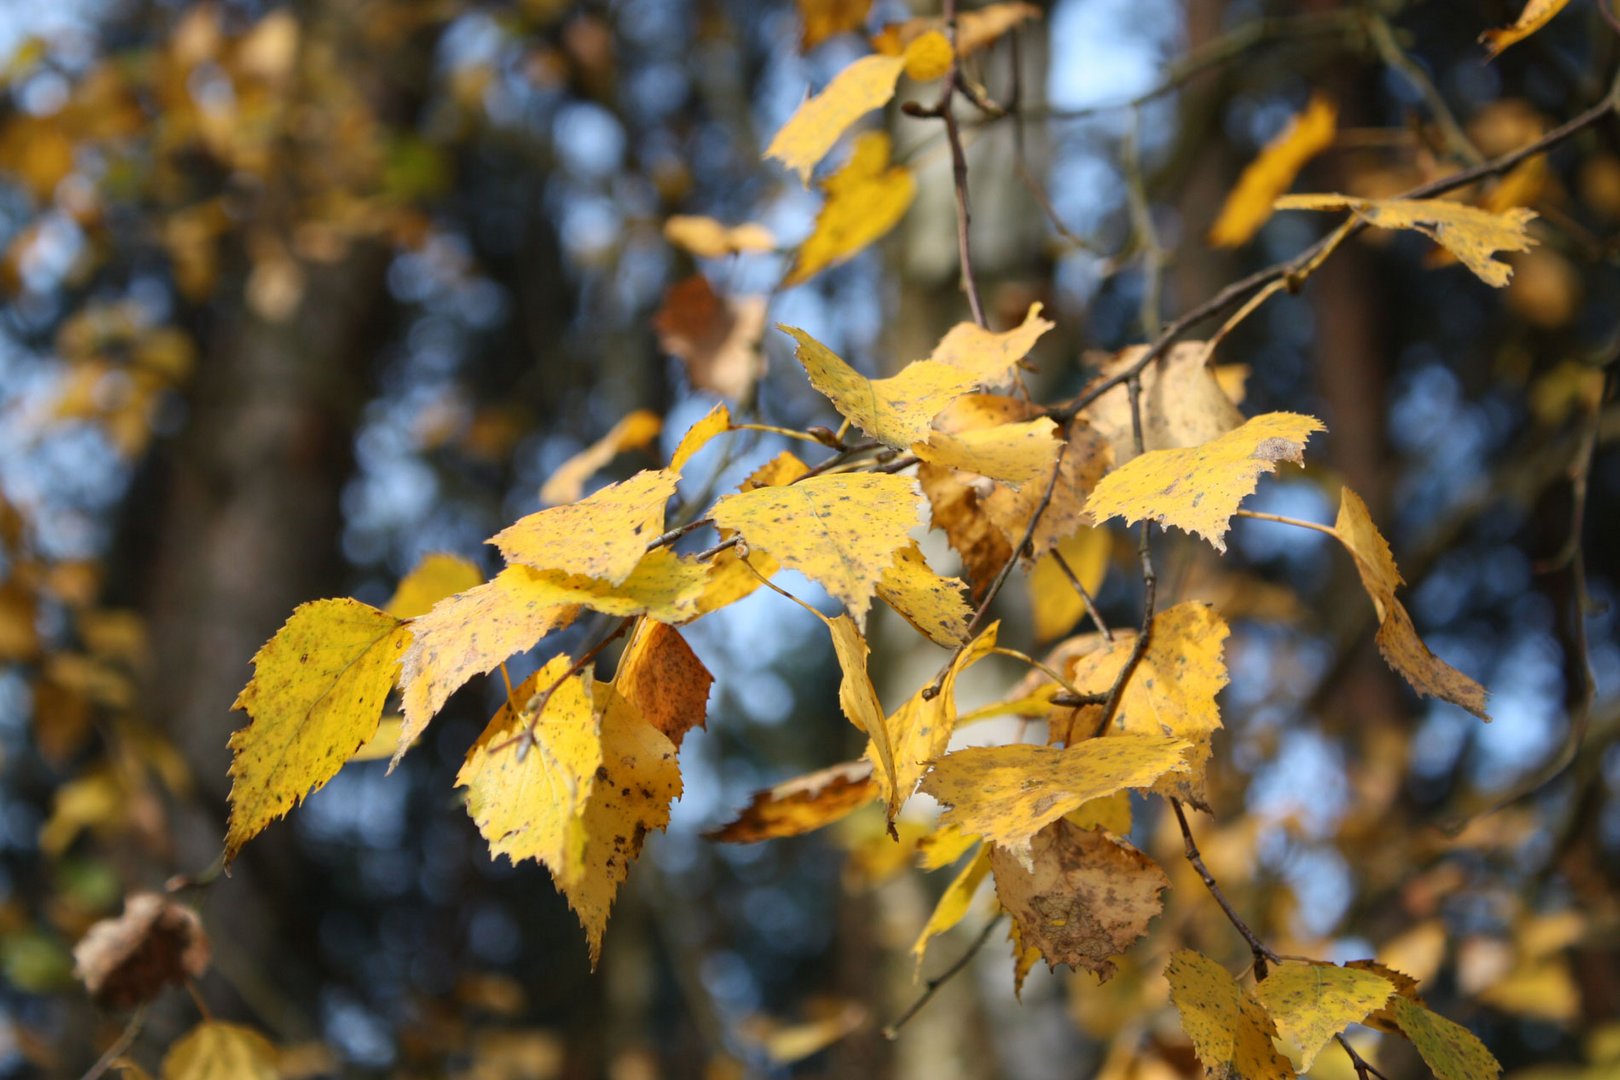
x=932, y=987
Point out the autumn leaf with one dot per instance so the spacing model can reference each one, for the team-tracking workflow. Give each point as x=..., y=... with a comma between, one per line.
x=1536, y=14
x=1230, y=1032
x=128, y=960
x=1450, y=1050
x=1397, y=638
x=709, y=239
x=470, y=634
x=316, y=697
x=1182, y=402
x=1248, y=206
x=620, y=519
x=918, y=732
x=865, y=85
x=214, y=1050
x=1310, y=1002
x=1055, y=604
x=1198, y=489
x=717, y=339
x=841, y=531
x=1086, y=899
x=991, y=357
x=1007, y=794
x=531, y=805
x=662, y=677
x=896, y=410
x=1111, y=813
x=437, y=576
x=933, y=605
x=953, y=904
x=823, y=19
x=1172, y=690
x=864, y=200
x=635, y=431
x=1078, y=473
x=637, y=781
x=715, y=421
x=1470, y=233
x=1017, y=453
x=975, y=29
x=803, y=804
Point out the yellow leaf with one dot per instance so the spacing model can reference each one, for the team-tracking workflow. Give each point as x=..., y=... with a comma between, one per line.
x=437, y=576
x=717, y=420
x=786, y=1044
x=827, y=18
x=928, y=57
x=1171, y=692
x=943, y=846
x=532, y=805
x=976, y=29
x=708, y=239
x=803, y=804
x=1468, y=232
x=896, y=410
x=1055, y=604
x=865, y=199
x=470, y=634
x=813, y=130
x=1087, y=898
x=1183, y=402
x=619, y=521
x=1025, y=957
x=1310, y=1002
x=219, y=1051
x=1018, y=453
x=633, y=432
x=1272, y=173
x=1536, y=14
x=841, y=531
x=1397, y=638
x=990, y=357
x=919, y=731
x=1111, y=813
x=856, y=694
x=383, y=742
x=634, y=787
x=953, y=904
x=1230, y=1032
x=1078, y=473
x=932, y=604
x=1009, y=793
x=1199, y=488
x=1451, y=1051
x=662, y=677
x=315, y=698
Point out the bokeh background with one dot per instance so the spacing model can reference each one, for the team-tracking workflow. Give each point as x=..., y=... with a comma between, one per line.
x=292, y=294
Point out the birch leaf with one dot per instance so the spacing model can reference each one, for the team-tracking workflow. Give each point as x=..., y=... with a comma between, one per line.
x=1230, y=1032
x=1450, y=1050
x=934, y=605
x=716, y=339
x=316, y=697
x=1272, y=173
x=864, y=200
x=1183, y=402
x=437, y=576
x=709, y=239
x=828, y=18
x=1536, y=14
x=953, y=906
x=717, y=420
x=633, y=432
x=841, y=531
x=1007, y=794
x=818, y=124
x=1310, y=1003
x=803, y=804
x=991, y=357
x=1472, y=234
x=1087, y=898
x=662, y=677
x=619, y=519
x=1398, y=639
x=1018, y=453
x=896, y=410
x=218, y=1051
x=1199, y=488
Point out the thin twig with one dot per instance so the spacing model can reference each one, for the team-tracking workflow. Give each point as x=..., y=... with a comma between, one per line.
x=1298, y=523
x=1365, y=1070
x=1394, y=57
x=125, y=1040
x=1085, y=596
x=959, y=177
x=892, y=1030
x=1262, y=952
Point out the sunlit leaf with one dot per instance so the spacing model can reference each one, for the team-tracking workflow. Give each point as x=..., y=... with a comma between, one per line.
x=1248, y=206
x=635, y=431
x=1468, y=232
x=620, y=519
x=864, y=200
x=437, y=576
x=1310, y=1003
x=1536, y=14
x=803, y=804
x=954, y=904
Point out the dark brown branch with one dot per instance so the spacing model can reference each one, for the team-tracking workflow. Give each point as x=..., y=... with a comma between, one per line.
x=959, y=177
x=1085, y=595
x=1365, y=1069
x=892, y=1030
x=1262, y=952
